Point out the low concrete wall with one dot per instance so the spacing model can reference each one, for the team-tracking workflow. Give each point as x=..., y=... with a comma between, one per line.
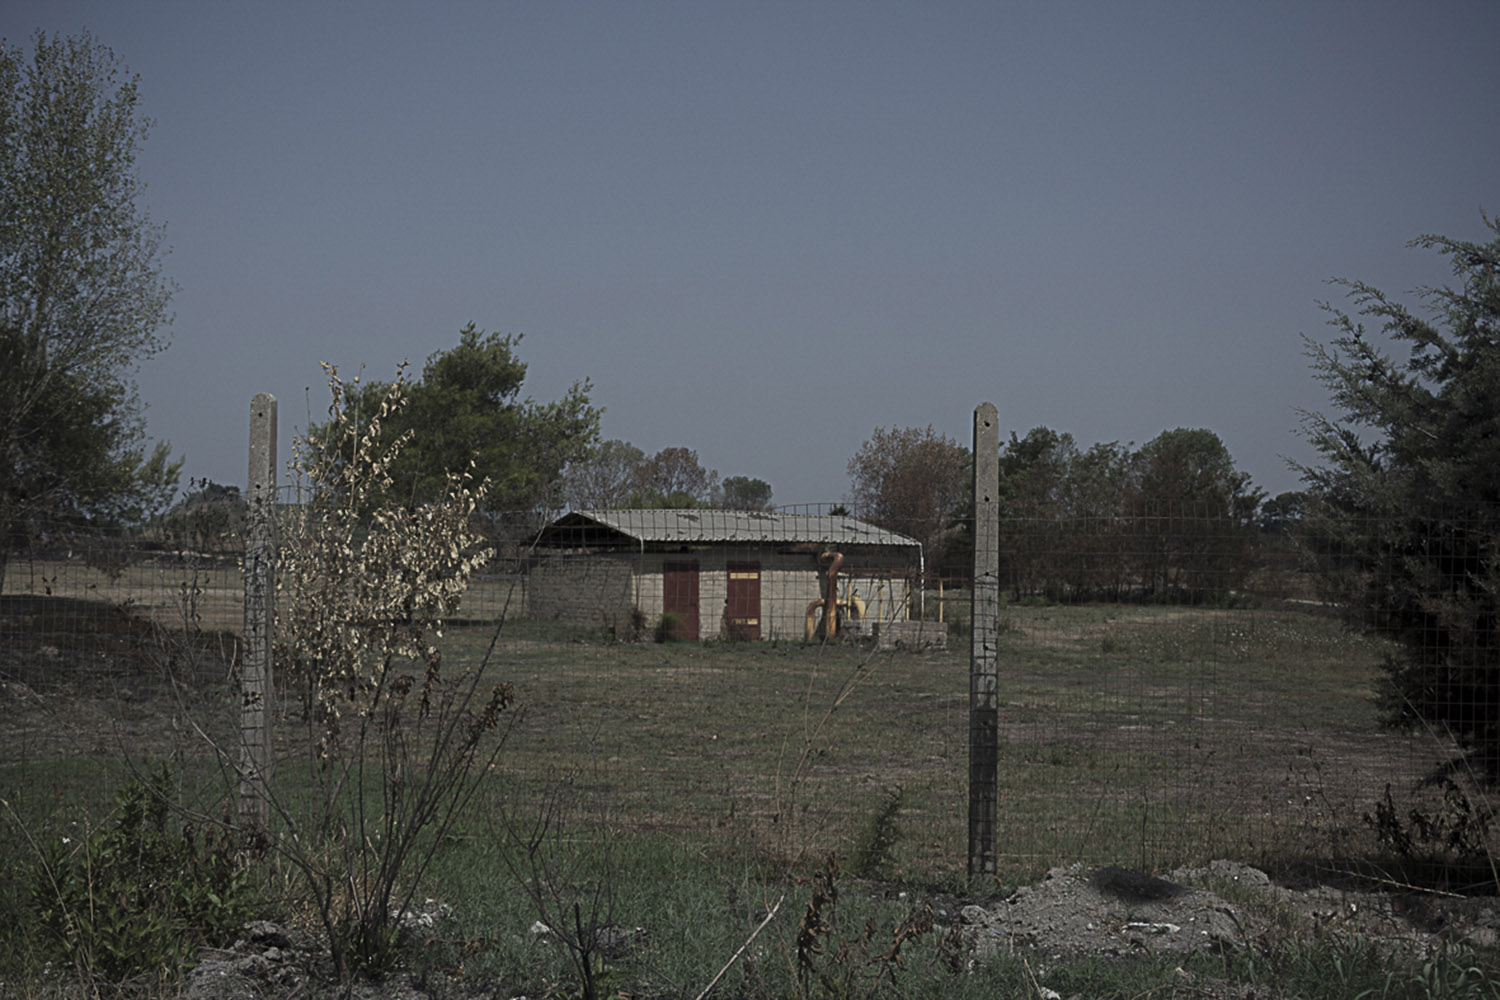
x=911, y=635
x=598, y=590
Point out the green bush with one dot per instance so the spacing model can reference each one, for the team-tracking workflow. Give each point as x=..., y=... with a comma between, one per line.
x=140, y=894
x=669, y=628
x=878, y=837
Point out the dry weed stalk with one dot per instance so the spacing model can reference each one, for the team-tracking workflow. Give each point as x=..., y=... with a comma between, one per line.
x=789, y=781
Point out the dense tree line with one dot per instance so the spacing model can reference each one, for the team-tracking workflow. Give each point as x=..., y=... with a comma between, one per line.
x=1172, y=520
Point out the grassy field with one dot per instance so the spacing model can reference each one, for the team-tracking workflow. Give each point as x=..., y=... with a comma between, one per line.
x=1141, y=736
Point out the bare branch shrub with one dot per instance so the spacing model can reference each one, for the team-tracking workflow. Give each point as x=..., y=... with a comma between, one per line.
x=563, y=856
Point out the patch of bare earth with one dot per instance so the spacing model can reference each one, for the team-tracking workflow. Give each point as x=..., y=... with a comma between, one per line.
x=1114, y=912
x=1074, y=912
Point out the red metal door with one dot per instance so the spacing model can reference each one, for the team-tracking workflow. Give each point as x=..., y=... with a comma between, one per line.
x=679, y=596
x=742, y=606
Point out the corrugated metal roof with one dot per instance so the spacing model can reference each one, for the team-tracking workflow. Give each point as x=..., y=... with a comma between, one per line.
x=733, y=526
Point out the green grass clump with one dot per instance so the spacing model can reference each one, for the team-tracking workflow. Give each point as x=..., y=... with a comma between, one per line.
x=138, y=895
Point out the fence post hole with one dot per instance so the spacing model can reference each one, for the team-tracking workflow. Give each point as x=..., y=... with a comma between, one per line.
x=260, y=618
x=984, y=639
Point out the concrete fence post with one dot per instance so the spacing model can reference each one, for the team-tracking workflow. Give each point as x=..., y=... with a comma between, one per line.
x=260, y=618
x=984, y=642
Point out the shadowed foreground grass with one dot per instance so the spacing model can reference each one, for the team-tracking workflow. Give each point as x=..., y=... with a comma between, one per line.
x=687, y=787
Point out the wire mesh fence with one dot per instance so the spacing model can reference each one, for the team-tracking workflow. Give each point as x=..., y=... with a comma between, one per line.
x=1169, y=691
x=117, y=651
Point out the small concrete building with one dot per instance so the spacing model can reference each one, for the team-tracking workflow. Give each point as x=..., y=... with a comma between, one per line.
x=726, y=574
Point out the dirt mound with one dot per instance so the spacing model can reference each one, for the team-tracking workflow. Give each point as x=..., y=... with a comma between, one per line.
x=69, y=645
x=1108, y=911
x=97, y=676
x=1116, y=912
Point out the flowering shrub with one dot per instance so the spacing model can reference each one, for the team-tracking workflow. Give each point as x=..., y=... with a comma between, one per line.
x=364, y=586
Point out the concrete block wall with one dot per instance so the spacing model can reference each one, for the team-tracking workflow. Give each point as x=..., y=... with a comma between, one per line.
x=607, y=588
x=787, y=583
x=913, y=634
x=592, y=590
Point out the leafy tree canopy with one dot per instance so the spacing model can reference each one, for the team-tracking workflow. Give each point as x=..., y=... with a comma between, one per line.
x=1036, y=473
x=602, y=478
x=673, y=478
x=1198, y=515
x=467, y=407
x=911, y=480
x=745, y=493
x=1406, y=500
x=82, y=295
x=1281, y=514
x=1189, y=472
x=618, y=474
x=211, y=513
x=1182, y=472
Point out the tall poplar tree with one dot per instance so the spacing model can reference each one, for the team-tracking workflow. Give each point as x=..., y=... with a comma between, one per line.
x=83, y=299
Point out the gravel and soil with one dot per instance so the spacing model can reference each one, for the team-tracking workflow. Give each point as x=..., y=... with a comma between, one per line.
x=1072, y=913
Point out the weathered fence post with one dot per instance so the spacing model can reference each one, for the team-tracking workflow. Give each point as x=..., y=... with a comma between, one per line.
x=984, y=639
x=260, y=617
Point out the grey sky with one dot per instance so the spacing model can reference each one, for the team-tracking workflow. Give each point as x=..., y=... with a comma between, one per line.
x=764, y=229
